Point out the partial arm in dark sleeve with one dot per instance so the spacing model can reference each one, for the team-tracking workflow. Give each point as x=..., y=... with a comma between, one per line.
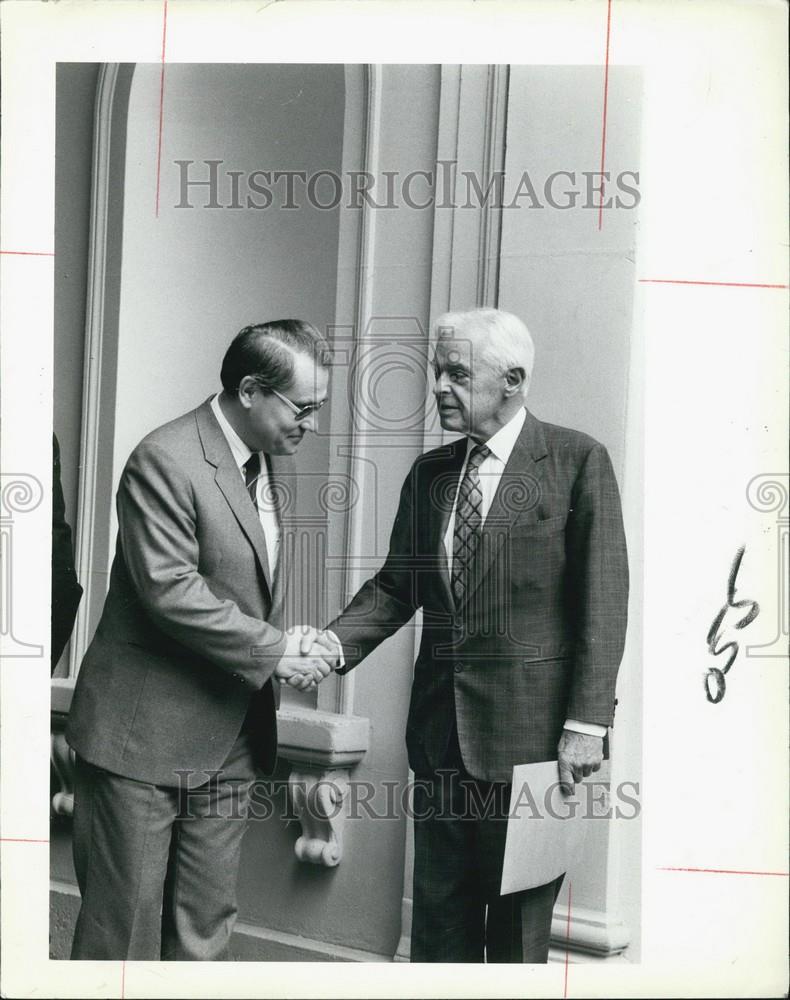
x=389, y=599
x=598, y=588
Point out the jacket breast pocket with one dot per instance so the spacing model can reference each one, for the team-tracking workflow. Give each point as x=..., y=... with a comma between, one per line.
x=539, y=529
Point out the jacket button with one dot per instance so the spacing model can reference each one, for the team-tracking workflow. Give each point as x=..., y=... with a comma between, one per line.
x=458, y=668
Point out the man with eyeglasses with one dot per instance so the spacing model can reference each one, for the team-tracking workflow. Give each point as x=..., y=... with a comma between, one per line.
x=174, y=707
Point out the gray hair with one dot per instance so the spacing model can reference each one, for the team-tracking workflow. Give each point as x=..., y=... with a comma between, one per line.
x=506, y=341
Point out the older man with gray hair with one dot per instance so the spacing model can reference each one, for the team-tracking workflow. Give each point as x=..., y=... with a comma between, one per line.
x=510, y=539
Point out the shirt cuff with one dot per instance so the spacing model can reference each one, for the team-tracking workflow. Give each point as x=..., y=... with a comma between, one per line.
x=341, y=660
x=587, y=728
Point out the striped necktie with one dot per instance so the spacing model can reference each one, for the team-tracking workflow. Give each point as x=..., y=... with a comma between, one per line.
x=468, y=521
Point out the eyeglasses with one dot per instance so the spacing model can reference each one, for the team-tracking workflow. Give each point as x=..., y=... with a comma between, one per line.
x=299, y=412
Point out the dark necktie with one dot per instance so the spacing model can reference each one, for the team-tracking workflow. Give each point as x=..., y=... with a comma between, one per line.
x=252, y=471
x=468, y=520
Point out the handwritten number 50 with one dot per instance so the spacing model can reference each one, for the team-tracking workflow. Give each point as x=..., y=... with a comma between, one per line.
x=715, y=685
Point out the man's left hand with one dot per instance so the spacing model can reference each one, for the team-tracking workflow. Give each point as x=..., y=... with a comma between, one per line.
x=579, y=755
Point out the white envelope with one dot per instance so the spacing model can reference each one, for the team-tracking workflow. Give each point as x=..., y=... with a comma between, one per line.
x=545, y=830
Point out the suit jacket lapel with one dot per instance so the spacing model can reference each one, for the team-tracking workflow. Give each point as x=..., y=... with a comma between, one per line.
x=518, y=492
x=217, y=453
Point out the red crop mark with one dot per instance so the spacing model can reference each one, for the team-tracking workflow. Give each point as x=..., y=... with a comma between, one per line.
x=567, y=941
x=28, y=253
x=715, y=284
x=605, y=108
x=723, y=871
x=23, y=840
x=161, y=107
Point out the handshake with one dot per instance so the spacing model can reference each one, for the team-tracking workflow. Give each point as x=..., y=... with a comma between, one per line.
x=310, y=656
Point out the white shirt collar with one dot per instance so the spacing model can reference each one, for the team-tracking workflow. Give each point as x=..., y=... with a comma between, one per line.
x=241, y=452
x=503, y=442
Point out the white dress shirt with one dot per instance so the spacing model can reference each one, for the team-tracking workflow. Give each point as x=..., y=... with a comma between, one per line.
x=501, y=446
x=267, y=513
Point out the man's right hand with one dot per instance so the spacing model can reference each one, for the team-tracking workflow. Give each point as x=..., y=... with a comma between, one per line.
x=303, y=672
x=324, y=644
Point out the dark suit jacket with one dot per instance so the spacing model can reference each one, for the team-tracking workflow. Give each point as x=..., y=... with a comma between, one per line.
x=540, y=636
x=66, y=590
x=189, y=635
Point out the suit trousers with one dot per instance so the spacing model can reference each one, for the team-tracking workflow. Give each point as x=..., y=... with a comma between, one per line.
x=157, y=866
x=460, y=824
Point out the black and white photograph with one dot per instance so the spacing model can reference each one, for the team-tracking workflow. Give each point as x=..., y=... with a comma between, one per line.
x=413, y=564
x=311, y=248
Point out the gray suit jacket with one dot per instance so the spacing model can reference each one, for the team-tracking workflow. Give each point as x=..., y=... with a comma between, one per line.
x=540, y=636
x=189, y=635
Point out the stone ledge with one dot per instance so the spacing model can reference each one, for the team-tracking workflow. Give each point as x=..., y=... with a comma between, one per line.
x=322, y=749
x=62, y=689
x=322, y=739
